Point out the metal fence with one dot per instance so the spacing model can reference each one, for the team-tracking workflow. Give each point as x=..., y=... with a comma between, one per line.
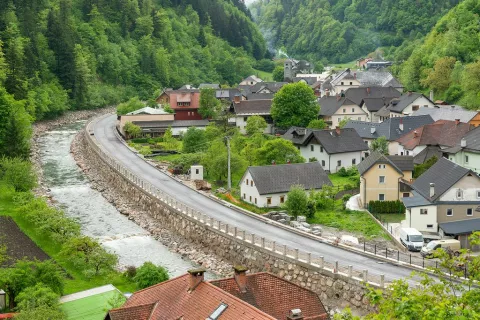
x=315, y=261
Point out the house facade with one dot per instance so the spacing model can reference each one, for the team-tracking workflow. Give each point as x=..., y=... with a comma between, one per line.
x=145, y=115
x=405, y=105
x=243, y=109
x=250, y=81
x=335, y=109
x=466, y=152
x=268, y=186
x=333, y=149
x=442, y=203
x=384, y=178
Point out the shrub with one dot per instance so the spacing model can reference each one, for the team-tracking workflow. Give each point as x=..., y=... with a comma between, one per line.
x=386, y=206
x=149, y=274
x=18, y=173
x=145, y=151
x=186, y=161
x=312, y=159
x=297, y=201
x=130, y=272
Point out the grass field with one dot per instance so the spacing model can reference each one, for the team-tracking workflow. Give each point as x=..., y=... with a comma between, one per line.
x=391, y=217
x=340, y=181
x=351, y=65
x=265, y=76
x=91, y=308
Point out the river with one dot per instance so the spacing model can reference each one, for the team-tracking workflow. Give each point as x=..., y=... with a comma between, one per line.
x=70, y=188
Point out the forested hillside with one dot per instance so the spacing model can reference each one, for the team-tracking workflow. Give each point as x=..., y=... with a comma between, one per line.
x=447, y=61
x=344, y=30
x=76, y=54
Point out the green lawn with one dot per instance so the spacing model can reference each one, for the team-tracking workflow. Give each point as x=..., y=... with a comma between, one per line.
x=265, y=76
x=91, y=308
x=343, y=66
x=76, y=280
x=391, y=217
x=168, y=158
x=340, y=181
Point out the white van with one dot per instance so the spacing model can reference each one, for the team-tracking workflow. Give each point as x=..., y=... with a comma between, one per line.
x=447, y=244
x=411, y=238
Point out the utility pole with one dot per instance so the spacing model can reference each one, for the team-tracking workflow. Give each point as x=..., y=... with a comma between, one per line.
x=229, y=171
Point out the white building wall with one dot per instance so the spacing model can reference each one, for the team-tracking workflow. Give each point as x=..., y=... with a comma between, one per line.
x=413, y=152
x=176, y=131
x=249, y=192
x=469, y=187
x=329, y=162
x=345, y=159
x=353, y=112
x=467, y=160
x=420, y=221
x=393, y=148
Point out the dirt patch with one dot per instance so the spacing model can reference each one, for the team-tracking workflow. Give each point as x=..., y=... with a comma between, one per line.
x=19, y=246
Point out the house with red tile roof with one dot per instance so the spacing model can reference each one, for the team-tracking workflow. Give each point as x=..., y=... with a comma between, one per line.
x=244, y=296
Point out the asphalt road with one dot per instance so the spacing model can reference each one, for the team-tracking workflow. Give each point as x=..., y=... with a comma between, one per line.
x=104, y=133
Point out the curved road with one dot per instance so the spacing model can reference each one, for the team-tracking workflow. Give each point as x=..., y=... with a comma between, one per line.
x=105, y=134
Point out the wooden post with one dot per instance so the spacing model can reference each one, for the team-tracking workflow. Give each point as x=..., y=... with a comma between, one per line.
x=274, y=244
x=253, y=238
x=296, y=254
x=284, y=249
x=309, y=258
x=263, y=242
x=235, y=232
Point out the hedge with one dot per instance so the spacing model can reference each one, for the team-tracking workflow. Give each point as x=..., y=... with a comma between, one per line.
x=386, y=206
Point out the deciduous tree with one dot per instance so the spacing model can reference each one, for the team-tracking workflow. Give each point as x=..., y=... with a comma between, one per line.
x=278, y=74
x=317, y=124
x=255, y=124
x=149, y=274
x=209, y=104
x=380, y=144
x=279, y=151
x=297, y=201
x=194, y=140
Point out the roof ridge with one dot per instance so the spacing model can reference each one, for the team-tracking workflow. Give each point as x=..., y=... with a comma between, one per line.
x=158, y=284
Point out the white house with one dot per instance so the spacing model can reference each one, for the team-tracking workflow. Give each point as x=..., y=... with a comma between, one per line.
x=244, y=109
x=267, y=186
x=333, y=149
x=467, y=151
x=445, y=202
x=334, y=109
x=250, y=81
x=406, y=105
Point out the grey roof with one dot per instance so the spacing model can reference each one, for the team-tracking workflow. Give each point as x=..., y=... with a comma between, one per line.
x=399, y=163
x=398, y=105
x=209, y=86
x=260, y=96
x=416, y=200
x=472, y=139
x=175, y=123
x=359, y=94
x=308, y=80
x=427, y=153
x=252, y=78
x=248, y=107
x=378, y=78
x=375, y=104
x=447, y=113
x=279, y=178
x=389, y=128
x=148, y=110
x=347, y=141
x=227, y=93
x=330, y=105
x=461, y=227
x=272, y=86
x=444, y=174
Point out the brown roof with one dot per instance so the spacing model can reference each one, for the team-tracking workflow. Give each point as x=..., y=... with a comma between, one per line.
x=441, y=133
x=267, y=297
x=276, y=296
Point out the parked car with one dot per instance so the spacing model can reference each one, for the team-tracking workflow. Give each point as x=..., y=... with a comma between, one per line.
x=451, y=245
x=411, y=238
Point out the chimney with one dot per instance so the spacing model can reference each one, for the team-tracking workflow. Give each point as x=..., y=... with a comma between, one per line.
x=372, y=130
x=337, y=130
x=463, y=143
x=295, y=314
x=236, y=99
x=432, y=189
x=457, y=121
x=431, y=95
x=368, y=90
x=400, y=125
x=196, y=277
x=415, y=133
x=240, y=277
x=327, y=92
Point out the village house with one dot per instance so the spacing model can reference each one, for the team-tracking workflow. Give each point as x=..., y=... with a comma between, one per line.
x=209, y=86
x=442, y=133
x=445, y=202
x=267, y=186
x=293, y=67
x=243, y=109
x=250, y=81
x=143, y=115
x=405, y=105
x=466, y=152
x=384, y=178
x=334, y=109
x=426, y=154
x=228, y=95
x=450, y=113
x=185, y=101
x=266, y=87
x=333, y=149
x=391, y=129
x=256, y=296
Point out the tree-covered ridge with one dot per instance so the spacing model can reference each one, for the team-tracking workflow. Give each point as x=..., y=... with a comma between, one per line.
x=90, y=53
x=447, y=61
x=341, y=31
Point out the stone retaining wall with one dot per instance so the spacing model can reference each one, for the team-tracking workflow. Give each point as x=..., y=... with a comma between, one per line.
x=334, y=288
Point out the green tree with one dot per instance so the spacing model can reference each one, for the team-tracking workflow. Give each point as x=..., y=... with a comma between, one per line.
x=209, y=104
x=215, y=161
x=439, y=78
x=82, y=78
x=279, y=151
x=41, y=313
x=194, y=140
x=294, y=104
x=149, y=274
x=278, y=74
x=255, y=124
x=18, y=173
x=317, y=124
x=343, y=122
x=297, y=201
x=421, y=168
x=37, y=296
x=131, y=105
x=380, y=144
x=132, y=130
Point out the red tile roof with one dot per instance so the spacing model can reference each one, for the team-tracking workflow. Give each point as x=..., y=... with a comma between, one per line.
x=276, y=296
x=267, y=297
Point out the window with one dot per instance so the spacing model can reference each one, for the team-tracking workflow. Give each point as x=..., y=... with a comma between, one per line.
x=381, y=166
x=381, y=197
x=247, y=182
x=366, y=142
x=342, y=83
x=197, y=171
x=406, y=194
x=344, y=110
x=414, y=108
x=321, y=149
x=351, y=83
x=244, y=196
x=245, y=119
x=469, y=212
x=250, y=198
x=353, y=109
x=449, y=212
x=251, y=183
x=478, y=194
x=459, y=194
x=423, y=211
x=429, y=226
x=323, y=163
x=381, y=179
x=339, y=119
x=269, y=200
x=311, y=147
x=359, y=118
x=255, y=200
x=401, y=153
x=466, y=159
x=354, y=161
x=339, y=163
x=282, y=199
x=425, y=105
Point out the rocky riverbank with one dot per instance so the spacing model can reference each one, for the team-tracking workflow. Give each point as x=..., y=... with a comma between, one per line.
x=172, y=241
